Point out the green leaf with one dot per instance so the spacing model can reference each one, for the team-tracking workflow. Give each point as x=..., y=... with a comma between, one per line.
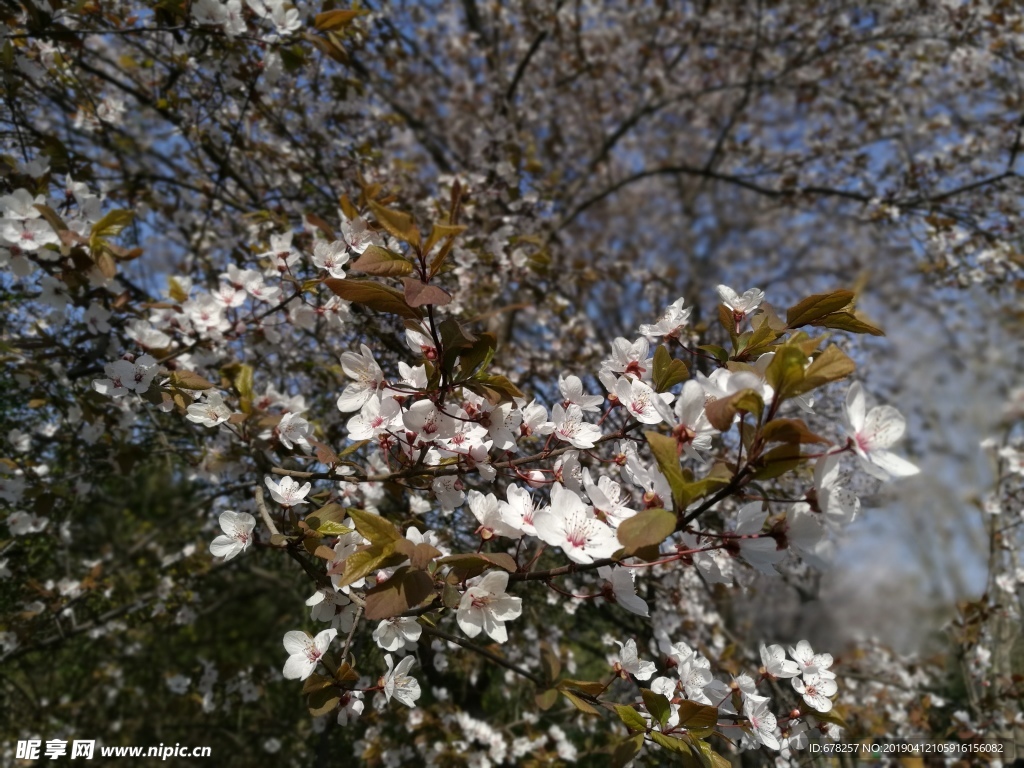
x=376, y=529
x=630, y=718
x=332, y=529
x=786, y=370
x=721, y=412
x=476, y=359
x=363, y=562
x=497, y=389
x=323, y=701
x=407, y=588
x=657, y=705
x=419, y=294
x=758, y=339
x=546, y=699
x=694, y=715
x=379, y=298
x=440, y=232
x=831, y=365
x=189, y=380
x=647, y=528
x=666, y=453
x=589, y=687
x=708, y=757
x=382, y=262
x=847, y=321
x=790, y=431
x=475, y=564
x=243, y=382
x=626, y=750
x=111, y=224
x=667, y=372
x=549, y=662
x=338, y=19
x=670, y=743
x=778, y=461
x=816, y=307
x=583, y=706
x=397, y=223
x=719, y=353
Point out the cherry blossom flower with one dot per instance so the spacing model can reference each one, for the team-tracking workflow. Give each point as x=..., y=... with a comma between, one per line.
x=485, y=607
x=762, y=722
x=773, y=657
x=237, y=536
x=570, y=427
x=811, y=663
x=838, y=505
x=124, y=376
x=368, y=379
x=816, y=691
x=639, y=399
x=630, y=358
x=209, y=413
x=487, y=511
x=376, y=417
x=761, y=552
x=741, y=306
x=331, y=256
x=358, y=235
x=872, y=433
x=397, y=634
x=305, y=651
x=293, y=430
x=573, y=394
x=670, y=324
x=692, y=430
x=520, y=510
x=24, y=523
x=351, y=707
x=288, y=493
x=398, y=684
x=448, y=490
x=608, y=499
x=623, y=589
x=629, y=661
x=568, y=524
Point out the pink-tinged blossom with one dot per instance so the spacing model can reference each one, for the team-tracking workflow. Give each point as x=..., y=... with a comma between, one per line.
x=237, y=536
x=420, y=343
x=29, y=235
x=487, y=511
x=124, y=377
x=692, y=430
x=573, y=394
x=333, y=607
x=305, y=652
x=762, y=722
x=209, y=413
x=811, y=663
x=367, y=375
x=351, y=707
x=398, y=684
x=570, y=427
x=288, y=493
x=535, y=419
x=293, y=430
x=24, y=523
x=519, y=511
x=740, y=306
x=608, y=499
x=569, y=524
x=331, y=257
x=485, y=607
x=805, y=533
x=816, y=691
x=376, y=417
x=639, y=400
x=630, y=358
x=399, y=633
x=872, y=433
x=670, y=324
x=358, y=236
x=428, y=422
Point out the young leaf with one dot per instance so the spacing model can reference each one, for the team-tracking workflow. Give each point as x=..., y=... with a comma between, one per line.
x=580, y=704
x=667, y=372
x=189, y=380
x=647, y=528
x=397, y=223
x=380, y=298
x=376, y=529
x=630, y=718
x=847, y=321
x=694, y=715
x=721, y=412
x=406, y=589
x=666, y=453
x=831, y=365
x=657, y=705
x=382, y=262
x=816, y=307
x=418, y=294
x=625, y=751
